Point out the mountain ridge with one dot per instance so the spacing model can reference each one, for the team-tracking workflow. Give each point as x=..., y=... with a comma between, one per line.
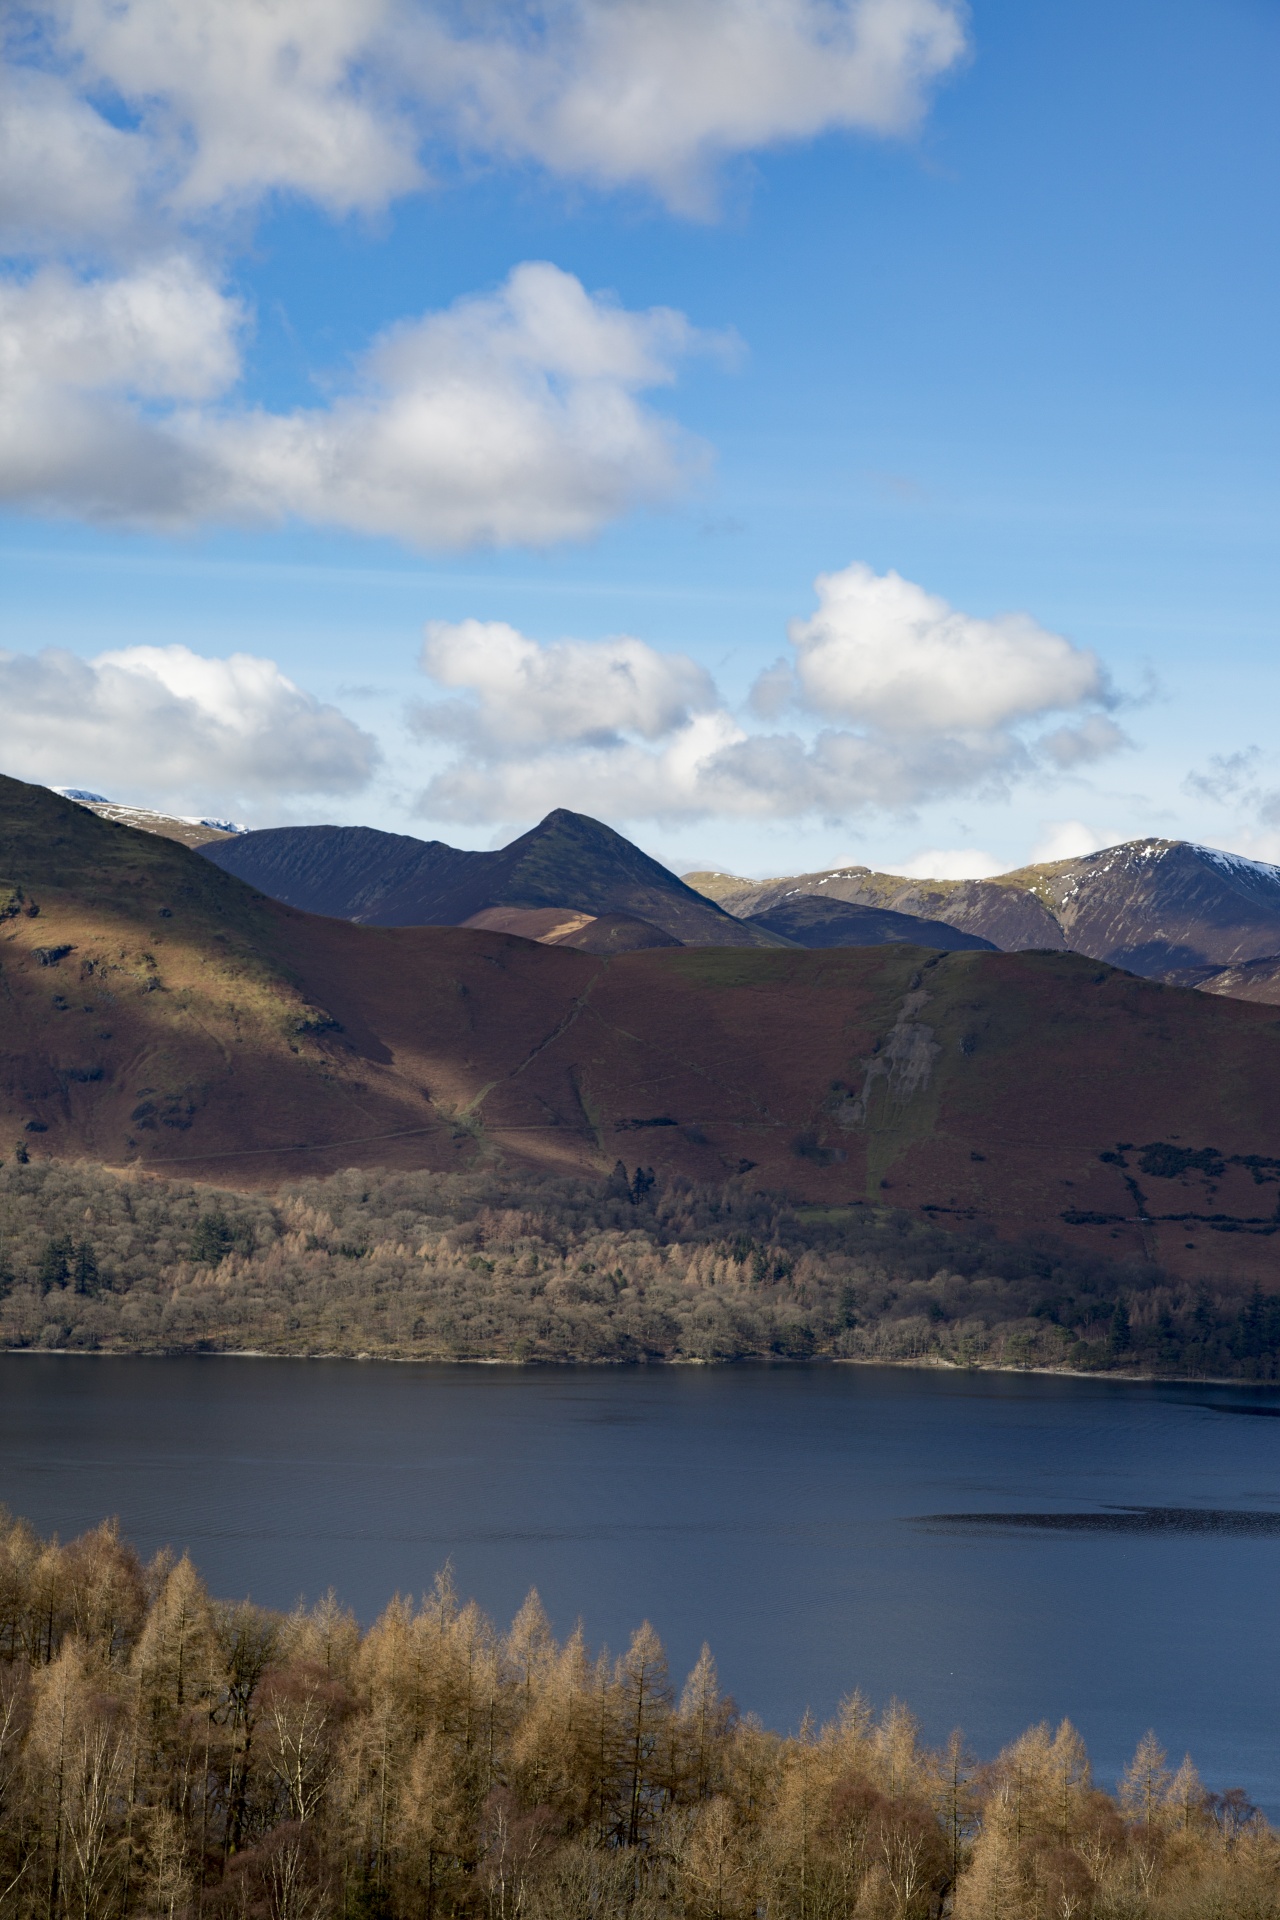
x=568, y=860
x=1156, y=907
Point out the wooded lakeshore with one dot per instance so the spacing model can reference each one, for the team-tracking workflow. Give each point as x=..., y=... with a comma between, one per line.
x=166, y=1754
x=500, y=1266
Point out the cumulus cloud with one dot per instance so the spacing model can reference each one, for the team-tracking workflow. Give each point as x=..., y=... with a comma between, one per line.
x=189, y=731
x=884, y=652
x=934, y=702
x=67, y=174
x=656, y=92
x=238, y=98
x=339, y=100
x=1066, y=840
x=516, y=417
x=711, y=766
x=524, y=697
x=136, y=133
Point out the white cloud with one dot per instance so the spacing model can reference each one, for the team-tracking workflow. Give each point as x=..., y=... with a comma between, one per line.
x=337, y=100
x=237, y=99
x=67, y=175
x=947, y=863
x=129, y=129
x=941, y=704
x=529, y=697
x=188, y=732
x=515, y=417
x=1066, y=840
x=82, y=364
x=883, y=652
x=656, y=92
x=163, y=332
x=710, y=766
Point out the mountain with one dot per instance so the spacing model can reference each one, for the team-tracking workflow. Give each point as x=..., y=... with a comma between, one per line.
x=187, y=829
x=160, y=1015
x=392, y=880
x=1251, y=980
x=1156, y=907
x=813, y=920
x=1011, y=918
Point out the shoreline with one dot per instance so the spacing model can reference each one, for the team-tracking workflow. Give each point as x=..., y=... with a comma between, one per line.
x=926, y=1363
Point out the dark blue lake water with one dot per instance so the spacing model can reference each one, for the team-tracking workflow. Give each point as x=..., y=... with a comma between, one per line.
x=787, y=1515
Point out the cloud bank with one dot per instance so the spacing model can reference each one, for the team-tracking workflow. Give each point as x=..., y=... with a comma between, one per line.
x=517, y=417
x=350, y=103
x=138, y=137
x=186, y=730
x=897, y=699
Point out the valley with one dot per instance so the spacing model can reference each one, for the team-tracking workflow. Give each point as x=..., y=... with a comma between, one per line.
x=162, y=1017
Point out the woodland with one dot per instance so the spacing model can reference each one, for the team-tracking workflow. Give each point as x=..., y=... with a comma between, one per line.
x=166, y=1755
x=628, y=1269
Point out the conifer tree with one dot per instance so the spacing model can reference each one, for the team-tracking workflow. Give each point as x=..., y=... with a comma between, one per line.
x=1145, y=1784
x=992, y=1887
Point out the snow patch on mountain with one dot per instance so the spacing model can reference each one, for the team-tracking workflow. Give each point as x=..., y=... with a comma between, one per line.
x=121, y=811
x=1237, y=862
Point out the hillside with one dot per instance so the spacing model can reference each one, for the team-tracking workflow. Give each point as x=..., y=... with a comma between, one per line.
x=1156, y=907
x=812, y=920
x=392, y=880
x=1252, y=980
x=588, y=933
x=1009, y=917
x=160, y=1014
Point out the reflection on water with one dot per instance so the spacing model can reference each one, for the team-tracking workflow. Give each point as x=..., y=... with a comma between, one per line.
x=1124, y=1520
x=994, y=1549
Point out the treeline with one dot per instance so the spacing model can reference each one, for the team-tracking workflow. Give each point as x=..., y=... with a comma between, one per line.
x=165, y=1755
x=518, y=1267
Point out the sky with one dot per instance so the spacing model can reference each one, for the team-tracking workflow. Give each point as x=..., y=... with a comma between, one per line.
x=797, y=432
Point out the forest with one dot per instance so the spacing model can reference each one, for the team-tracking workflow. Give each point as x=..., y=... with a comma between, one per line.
x=166, y=1755
x=519, y=1267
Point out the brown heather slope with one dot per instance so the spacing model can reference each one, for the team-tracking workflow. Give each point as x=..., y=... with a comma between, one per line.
x=184, y=1029
x=1252, y=980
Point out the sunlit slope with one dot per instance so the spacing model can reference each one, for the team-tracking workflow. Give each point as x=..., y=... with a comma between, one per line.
x=149, y=1008
x=190, y=1024
x=983, y=1088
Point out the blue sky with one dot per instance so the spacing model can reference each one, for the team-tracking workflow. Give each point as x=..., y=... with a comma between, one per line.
x=984, y=334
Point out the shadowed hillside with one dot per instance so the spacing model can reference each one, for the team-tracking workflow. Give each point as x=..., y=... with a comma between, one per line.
x=813, y=920
x=391, y=880
x=159, y=1013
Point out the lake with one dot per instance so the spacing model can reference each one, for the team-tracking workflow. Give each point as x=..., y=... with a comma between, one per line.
x=991, y=1548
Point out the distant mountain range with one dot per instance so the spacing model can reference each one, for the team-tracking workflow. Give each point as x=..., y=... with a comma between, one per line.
x=159, y=1013
x=1163, y=908
x=1168, y=909
x=567, y=862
